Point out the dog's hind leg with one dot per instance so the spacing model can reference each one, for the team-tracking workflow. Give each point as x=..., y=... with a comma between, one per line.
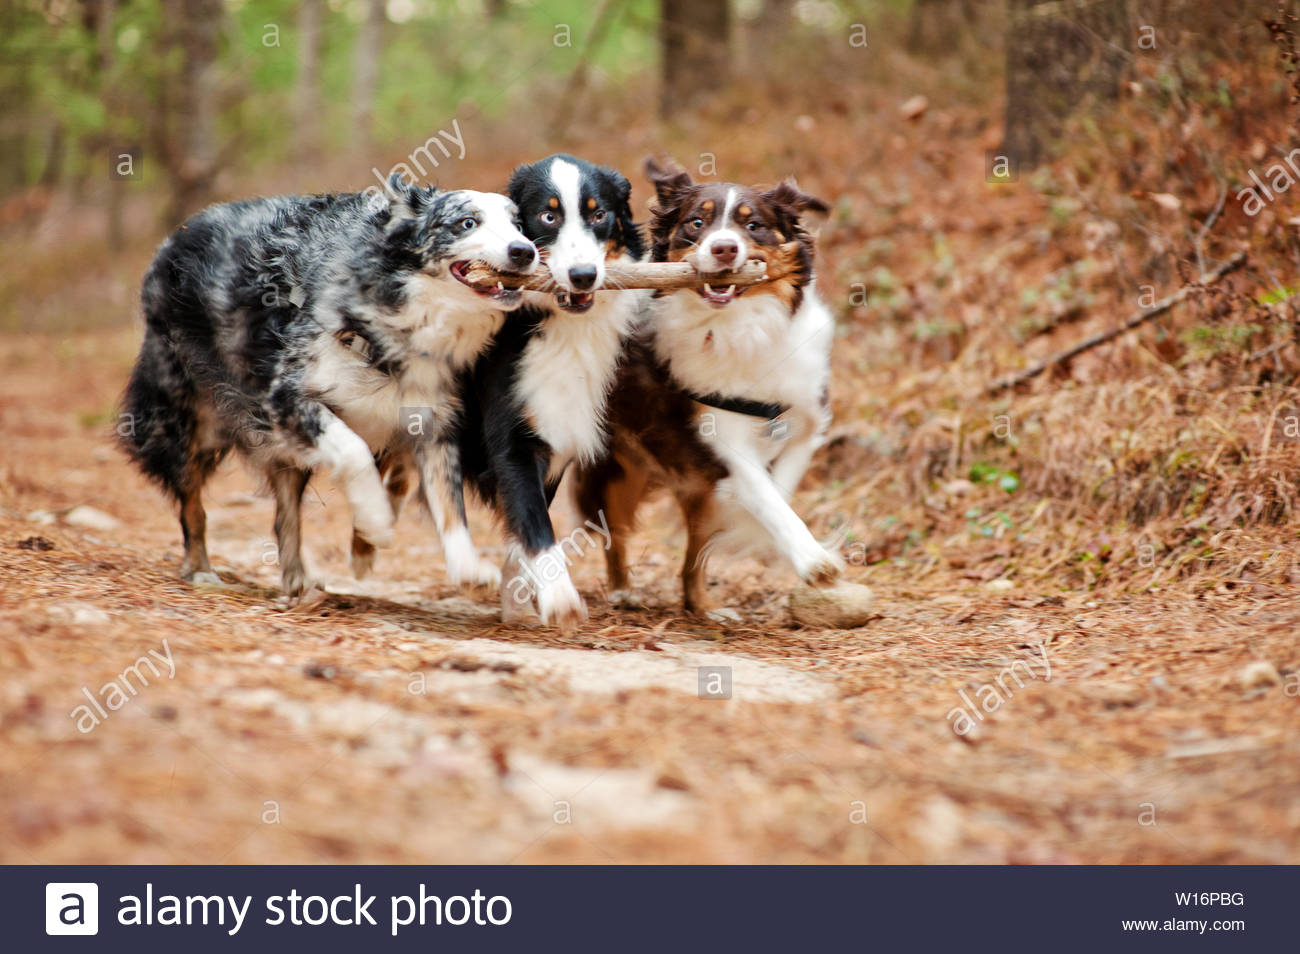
x=701, y=525
x=336, y=447
x=161, y=428
x=612, y=490
x=195, y=566
x=395, y=468
x=288, y=483
x=517, y=594
x=443, y=489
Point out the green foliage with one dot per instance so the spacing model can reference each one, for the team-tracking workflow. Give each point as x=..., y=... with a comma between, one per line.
x=986, y=473
x=1276, y=296
x=446, y=56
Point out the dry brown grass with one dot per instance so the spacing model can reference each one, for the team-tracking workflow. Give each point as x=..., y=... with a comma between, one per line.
x=1145, y=546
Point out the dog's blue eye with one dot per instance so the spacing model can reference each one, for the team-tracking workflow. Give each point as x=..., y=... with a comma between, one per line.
x=752, y=226
x=467, y=224
x=697, y=223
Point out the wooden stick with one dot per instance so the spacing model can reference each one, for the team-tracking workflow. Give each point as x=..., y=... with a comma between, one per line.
x=780, y=262
x=1141, y=318
x=664, y=275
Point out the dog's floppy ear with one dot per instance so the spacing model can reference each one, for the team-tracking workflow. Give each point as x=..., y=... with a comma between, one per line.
x=404, y=196
x=792, y=200
x=669, y=179
x=672, y=184
x=518, y=178
x=629, y=233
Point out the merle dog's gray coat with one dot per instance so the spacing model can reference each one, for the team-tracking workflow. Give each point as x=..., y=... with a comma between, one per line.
x=313, y=332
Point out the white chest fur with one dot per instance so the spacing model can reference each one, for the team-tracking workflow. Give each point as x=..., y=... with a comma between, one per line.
x=439, y=337
x=753, y=348
x=566, y=372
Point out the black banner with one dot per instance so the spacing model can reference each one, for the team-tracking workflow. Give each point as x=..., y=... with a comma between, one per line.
x=164, y=908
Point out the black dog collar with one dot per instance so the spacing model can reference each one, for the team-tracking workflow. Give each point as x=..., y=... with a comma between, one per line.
x=764, y=409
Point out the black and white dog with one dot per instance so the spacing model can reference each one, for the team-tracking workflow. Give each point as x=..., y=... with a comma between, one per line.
x=723, y=397
x=536, y=399
x=316, y=332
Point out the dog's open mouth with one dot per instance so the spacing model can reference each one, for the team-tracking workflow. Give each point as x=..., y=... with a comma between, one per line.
x=497, y=292
x=718, y=296
x=575, y=301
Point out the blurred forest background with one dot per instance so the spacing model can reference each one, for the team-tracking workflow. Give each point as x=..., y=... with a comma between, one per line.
x=1063, y=257
x=1009, y=177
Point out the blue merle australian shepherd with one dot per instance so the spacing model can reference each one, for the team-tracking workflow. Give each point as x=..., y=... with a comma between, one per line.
x=321, y=333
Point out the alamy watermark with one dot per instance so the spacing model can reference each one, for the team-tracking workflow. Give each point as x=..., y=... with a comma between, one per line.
x=991, y=696
x=120, y=690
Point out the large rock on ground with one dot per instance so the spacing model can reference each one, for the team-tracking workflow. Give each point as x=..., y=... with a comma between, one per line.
x=844, y=605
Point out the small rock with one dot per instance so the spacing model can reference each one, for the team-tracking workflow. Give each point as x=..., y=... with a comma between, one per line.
x=914, y=108
x=80, y=614
x=1000, y=586
x=1258, y=673
x=1166, y=200
x=90, y=519
x=805, y=124
x=843, y=605
x=1115, y=695
x=958, y=488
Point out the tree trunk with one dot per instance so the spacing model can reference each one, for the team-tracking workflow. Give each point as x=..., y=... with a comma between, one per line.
x=694, y=52
x=100, y=14
x=306, y=98
x=936, y=25
x=191, y=147
x=370, y=44
x=1060, y=54
x=768, y=35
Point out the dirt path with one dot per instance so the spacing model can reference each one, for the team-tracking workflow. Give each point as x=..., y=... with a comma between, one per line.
x=400, y=722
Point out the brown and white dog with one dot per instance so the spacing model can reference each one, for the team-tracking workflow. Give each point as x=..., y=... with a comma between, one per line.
x=722, y=398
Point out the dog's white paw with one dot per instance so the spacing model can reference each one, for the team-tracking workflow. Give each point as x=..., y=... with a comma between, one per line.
x=374, y=524
x=464, y=565
x=363, y=561
x=517, y=608
x=560, y=604
x=304, y=600
x=723, y=614
x=821, y=568
x=478, y=572
x=625, y=599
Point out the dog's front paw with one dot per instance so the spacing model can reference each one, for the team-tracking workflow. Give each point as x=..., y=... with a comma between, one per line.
x=363, y=557
x=476, y=572
x=824, y=570
x=560, y=604
x=303, y=599
x=625, y=599
x=723, y=614
x=375, y=525
x=204, y=579
x=517, y=608
x=464, y=565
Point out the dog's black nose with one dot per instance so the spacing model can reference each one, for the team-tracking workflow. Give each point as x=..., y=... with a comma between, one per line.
x=521, y=254
x=582, y=277
x=725, y=251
